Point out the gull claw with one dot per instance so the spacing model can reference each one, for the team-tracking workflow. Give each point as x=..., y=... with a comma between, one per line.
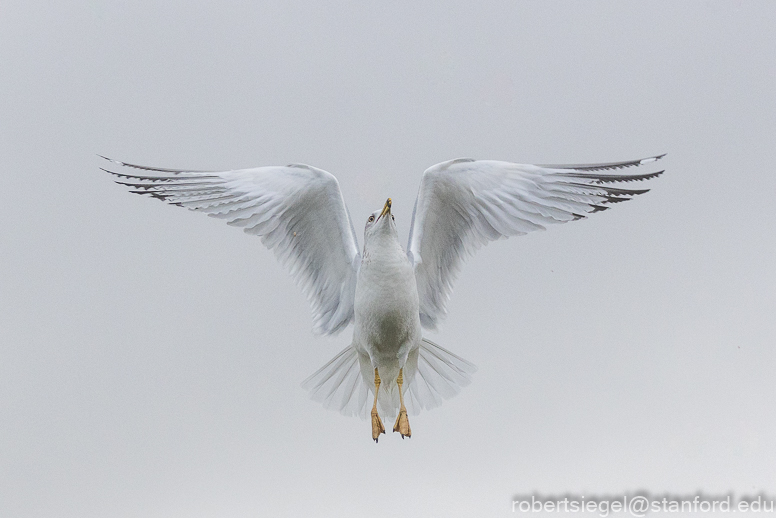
x=403, y=424
x=377, y=425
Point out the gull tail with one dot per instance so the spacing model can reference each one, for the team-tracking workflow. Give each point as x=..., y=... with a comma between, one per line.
x=432, y=374
x=338, y=385
x=439, y=375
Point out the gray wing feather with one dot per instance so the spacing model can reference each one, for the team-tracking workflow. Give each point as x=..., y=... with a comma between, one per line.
x=297, y=210
x=463, y=204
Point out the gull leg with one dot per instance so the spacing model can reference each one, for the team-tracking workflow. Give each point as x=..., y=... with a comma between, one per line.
x=402, y=422
x=377, y=424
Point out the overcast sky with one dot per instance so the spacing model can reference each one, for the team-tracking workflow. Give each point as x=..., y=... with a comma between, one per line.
x=150, y=357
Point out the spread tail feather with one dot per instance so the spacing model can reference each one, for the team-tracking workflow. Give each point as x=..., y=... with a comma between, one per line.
x=338, y=385
x=439, y=375
x=432, y=374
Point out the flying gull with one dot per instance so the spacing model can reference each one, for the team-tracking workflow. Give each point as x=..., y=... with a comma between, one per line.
x=389, y=294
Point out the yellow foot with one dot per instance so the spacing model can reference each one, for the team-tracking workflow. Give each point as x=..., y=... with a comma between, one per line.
x=403, y=424
x=377, y=425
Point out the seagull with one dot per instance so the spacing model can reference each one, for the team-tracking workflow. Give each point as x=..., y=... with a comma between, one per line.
x=388, y=293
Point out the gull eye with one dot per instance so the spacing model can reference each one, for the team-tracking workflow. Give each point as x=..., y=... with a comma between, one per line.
x=371, y=218
x=393, y=217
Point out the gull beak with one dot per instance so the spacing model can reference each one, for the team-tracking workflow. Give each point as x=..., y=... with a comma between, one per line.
x=386, y=209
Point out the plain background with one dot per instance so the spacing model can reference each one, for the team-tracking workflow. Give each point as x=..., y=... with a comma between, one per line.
x=150, y=358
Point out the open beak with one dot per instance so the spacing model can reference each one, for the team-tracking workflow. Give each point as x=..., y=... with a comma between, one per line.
x=386, y=209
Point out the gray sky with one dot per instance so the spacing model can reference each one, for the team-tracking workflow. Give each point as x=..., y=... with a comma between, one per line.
x=150, y=357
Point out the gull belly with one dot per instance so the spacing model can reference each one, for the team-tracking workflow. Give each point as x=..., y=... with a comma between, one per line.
x=387, y=321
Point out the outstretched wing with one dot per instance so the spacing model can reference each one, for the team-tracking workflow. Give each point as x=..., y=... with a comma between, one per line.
x=463, y=204
x=297, y=210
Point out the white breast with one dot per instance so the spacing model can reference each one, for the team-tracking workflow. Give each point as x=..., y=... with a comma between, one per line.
x=387, y=321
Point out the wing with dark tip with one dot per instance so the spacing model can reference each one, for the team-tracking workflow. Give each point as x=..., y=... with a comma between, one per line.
x=463, y=204
x=608, y=166
x=297, y=210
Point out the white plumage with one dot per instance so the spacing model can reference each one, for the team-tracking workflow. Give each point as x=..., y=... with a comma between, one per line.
x=389, y=294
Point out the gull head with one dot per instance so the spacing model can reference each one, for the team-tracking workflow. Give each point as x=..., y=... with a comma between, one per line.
x=380, y=226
